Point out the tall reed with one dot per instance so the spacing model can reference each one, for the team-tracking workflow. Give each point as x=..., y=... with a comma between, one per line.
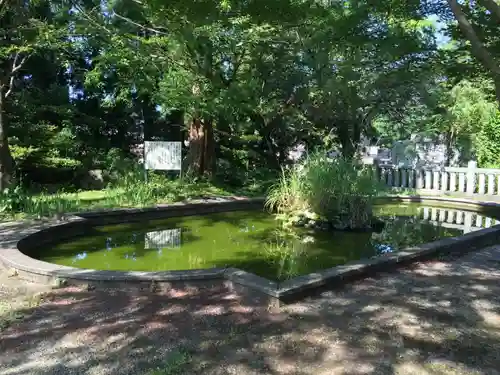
x=327, y=187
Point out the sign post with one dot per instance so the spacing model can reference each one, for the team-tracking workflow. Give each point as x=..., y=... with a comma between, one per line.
x=163, y=156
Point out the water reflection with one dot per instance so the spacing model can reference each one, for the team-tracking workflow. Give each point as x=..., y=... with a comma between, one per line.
x=163, y=239
x=80, y=256
x=109, y=247
x=383, y=248
x=464, y=221
x=400, y=232
x=293, y=255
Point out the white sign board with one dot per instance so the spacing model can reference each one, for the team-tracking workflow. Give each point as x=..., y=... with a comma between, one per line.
x=170, y=238
x=164, y=156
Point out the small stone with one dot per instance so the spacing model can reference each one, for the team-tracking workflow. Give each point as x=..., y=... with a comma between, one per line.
x=90, y=287
x=12, y=272
x=59, y=283
x=153, y=287
x=300, y=223
x=339, y=226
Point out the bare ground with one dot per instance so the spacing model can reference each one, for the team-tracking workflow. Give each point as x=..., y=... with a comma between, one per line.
x=438, y=318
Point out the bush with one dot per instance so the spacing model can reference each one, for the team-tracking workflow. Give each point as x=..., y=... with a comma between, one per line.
x=334, y=189
x=340, y=187
x=35, y=167
x=13, y=200
x=123, y=169
x=488, y=143
x=288, y=194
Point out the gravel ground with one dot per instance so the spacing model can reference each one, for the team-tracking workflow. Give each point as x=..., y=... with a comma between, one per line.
x=438, y=318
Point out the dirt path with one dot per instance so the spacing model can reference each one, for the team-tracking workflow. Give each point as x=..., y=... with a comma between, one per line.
x=440, y=318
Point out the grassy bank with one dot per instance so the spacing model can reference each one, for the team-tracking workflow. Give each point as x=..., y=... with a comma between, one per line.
x=18, y=204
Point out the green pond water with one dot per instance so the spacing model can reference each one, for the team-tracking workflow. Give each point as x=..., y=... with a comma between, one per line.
x=250, y=240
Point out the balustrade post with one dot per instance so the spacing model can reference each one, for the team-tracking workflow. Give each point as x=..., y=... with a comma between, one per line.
x=471, y=178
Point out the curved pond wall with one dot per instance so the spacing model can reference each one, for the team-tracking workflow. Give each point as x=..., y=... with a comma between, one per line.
x=18, y=237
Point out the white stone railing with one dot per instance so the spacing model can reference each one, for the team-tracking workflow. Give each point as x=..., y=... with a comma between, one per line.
x=469, y=180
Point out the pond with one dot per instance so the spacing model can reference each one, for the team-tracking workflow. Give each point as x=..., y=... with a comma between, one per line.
x=253, y=241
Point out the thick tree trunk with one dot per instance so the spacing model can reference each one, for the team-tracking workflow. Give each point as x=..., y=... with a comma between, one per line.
x=6, y=164
x=497, y=89
x=349, y=137
x=201, y=159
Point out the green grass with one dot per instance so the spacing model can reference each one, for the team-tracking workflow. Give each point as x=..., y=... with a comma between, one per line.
x=12, y=311
x=174, y=365
x=17, y=204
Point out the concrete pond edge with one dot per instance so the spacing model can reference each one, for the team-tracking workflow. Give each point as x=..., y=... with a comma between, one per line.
x=14, y=237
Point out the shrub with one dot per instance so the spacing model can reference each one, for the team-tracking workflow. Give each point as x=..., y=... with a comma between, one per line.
x=488, y=143
x=13, y=200
x=123, y=169
x=36, y=167
x=340, y=186
x=334, y=189
x=288, y=194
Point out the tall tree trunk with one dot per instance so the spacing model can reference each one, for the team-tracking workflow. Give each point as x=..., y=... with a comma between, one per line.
x=477, y=46
x=6, y=164
x=449, y=147
x=201, y=159
x=496, y=80
x=349, y=134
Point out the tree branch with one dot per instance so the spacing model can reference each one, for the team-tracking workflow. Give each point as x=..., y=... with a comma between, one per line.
x=90, y=19
x=477, y=46
x=16, y=66
x=128, y=20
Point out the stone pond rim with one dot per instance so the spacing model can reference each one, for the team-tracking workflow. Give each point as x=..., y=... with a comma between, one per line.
x=15, y=237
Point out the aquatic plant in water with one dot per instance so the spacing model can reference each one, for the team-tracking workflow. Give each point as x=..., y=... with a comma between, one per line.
x=287, y=254
x=326, y=194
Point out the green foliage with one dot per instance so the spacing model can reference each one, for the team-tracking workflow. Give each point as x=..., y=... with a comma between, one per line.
x=457, y=113
x=343, y=72
x=17, y=200
x=175, y=364
x=21, y=153
x=58, y=163
x=159, y=189
x=329, y=188
x=488, y=143
x=469, y=106
x=474, y=48
x=340, y=186
x=123, y=171
x=287, y=195
x=13, y=200
x=285, y=256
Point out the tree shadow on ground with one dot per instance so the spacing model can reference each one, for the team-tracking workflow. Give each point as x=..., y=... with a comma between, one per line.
x=437, y=318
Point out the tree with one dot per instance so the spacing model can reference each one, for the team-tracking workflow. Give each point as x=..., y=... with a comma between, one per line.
x=484, y=50
x=247, y=84
x=375, y=68
x=25, y=32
